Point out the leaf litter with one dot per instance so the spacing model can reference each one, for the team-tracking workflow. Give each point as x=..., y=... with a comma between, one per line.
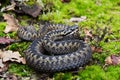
x=16, y=57
x=112, y=60
x=12, y=23
x=9, y=7
x=4, y=40
x=10, y=56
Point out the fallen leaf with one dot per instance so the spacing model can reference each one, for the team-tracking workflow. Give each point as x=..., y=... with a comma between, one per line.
x=33, y=11
x=96, y=49
x=9, y=7
x=11, y=77
x=87, y=33
x=76, y=19
x=3, y=66
x=12, y=23
x=23, y=60
x=11, y=56
x=113, y=60
x=4, y=40
x=8, y=76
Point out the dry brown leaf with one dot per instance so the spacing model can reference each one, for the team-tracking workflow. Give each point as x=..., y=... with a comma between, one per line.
x=9, y=7
x=87, y=33
x=113, y=60
x=23, y=60
x=12, y=23
x=11, y=56
x=9, y=76
x=4, y=40
x=3, y=66
x=108, y=60
x=1, y=53
x=96, y=49
x=33, y=11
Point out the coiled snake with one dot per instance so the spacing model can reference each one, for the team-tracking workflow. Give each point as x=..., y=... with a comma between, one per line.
x=55, y=47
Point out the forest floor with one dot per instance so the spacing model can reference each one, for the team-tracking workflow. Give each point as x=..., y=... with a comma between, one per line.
x=100, y=19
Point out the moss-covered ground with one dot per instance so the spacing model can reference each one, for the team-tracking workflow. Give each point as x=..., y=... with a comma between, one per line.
x=99, y=13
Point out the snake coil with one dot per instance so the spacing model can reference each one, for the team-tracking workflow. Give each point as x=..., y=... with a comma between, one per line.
x=55, y=47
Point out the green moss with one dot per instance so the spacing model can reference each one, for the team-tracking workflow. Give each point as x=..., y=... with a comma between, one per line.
x=93, y=72
x=31, y=2
x=20, y=70
x=108, y=48
x=2, y=34
x=113, y=72
x=62, y=76
x=111, y=47
x=2, y=26
x=19, y=46
x=79, y=8
x=99, y=13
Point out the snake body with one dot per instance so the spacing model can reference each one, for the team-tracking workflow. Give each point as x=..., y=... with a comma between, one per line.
x=55, y=47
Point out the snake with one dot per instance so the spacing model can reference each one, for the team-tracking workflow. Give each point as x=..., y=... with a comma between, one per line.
x=54, y=47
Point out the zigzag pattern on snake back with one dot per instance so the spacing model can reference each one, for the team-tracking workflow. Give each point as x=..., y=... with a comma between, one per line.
x=55, y=48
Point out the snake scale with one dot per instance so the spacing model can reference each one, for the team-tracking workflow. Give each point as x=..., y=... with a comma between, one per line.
x=55, y=47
